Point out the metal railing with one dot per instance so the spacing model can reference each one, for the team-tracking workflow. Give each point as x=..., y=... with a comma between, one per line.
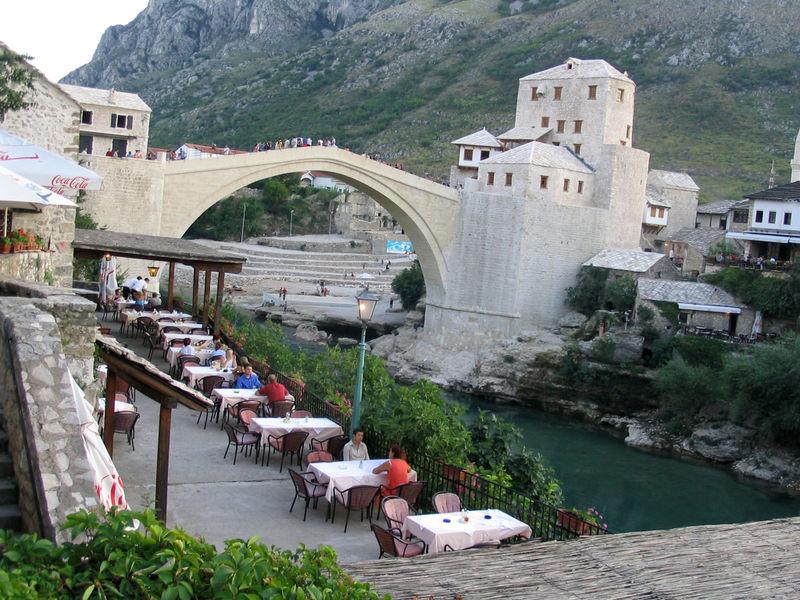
x=546, y=521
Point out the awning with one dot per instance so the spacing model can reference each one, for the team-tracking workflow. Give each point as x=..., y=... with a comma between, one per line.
x=763, y=237
x=46, y=168
x=735, y=310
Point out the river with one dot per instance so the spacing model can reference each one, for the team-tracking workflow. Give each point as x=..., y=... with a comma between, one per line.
x=634, y=490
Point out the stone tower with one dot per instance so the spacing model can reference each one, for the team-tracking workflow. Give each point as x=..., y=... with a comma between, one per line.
x=796, y=160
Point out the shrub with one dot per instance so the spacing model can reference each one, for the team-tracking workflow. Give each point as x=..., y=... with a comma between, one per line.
x=153, y=561
x=645, y=313
x=620, y=295
x=650, y=334
x=586, y=295
x=603, y=350
x=686, y=389
x=773, y=296
x=409, y=284
x=698, y=351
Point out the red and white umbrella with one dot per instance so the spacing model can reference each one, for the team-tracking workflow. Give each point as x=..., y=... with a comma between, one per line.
x=48, y=169
x=18, y=192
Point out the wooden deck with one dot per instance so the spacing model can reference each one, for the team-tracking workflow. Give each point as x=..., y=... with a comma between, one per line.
x=752, y=561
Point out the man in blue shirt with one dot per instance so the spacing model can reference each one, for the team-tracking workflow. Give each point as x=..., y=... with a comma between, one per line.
x=248, y=380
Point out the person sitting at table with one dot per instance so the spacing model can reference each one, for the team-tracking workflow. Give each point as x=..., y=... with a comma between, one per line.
x=188, y=349
x=396, y=467
x=154, y=302
x=218, y=353
x=274, y=391
x=247, y=380
x=243, y=362
x=230, y=360
x=356, y=449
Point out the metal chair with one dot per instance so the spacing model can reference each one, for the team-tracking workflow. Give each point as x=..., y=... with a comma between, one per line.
x=446, y=502
x=301, y=414
x=358, y=497
x=307, y=488
x=334, y=445
x=392, y=544
x=240, y=438
x=289, y=443
x=317, y=456
x=410, y=493
x=395, y=511
x=125, y=422
x=281, y=408
x=207, y=385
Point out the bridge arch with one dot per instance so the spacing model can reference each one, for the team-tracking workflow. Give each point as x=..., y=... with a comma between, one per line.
x=426, y=210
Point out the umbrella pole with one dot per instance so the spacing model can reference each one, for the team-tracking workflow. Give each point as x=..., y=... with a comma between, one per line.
x=5, y=223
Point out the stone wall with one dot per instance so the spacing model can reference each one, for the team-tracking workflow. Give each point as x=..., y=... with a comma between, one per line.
x=28, y=266
x=51, y=466
x=56, y=225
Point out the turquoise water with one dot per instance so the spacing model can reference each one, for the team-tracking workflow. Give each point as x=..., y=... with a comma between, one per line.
x=637, y=490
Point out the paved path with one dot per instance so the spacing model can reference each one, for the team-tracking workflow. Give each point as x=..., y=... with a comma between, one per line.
x=211, y=498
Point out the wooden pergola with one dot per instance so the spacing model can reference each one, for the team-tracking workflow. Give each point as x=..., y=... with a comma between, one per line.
x=145, y=377
x=90, y=243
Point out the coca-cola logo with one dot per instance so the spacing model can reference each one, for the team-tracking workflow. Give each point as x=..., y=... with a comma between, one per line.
x=6, y=156
x=72, y=183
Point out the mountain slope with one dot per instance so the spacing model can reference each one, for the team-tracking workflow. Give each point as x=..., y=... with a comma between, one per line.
x=718, y=80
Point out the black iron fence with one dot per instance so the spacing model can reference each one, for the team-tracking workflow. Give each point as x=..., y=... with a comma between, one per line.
x=477, y=492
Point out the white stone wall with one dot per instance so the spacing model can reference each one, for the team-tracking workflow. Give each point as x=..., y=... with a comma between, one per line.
x=103, y=134
x=682, y=212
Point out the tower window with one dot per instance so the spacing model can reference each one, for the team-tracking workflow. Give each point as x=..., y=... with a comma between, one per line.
x=557, y=93
x=543, y=182
x=759, y=216
x=560, y=126
x=535, y=93
x=484, y=154
x=577, y=148
x=509, y=177
x=566, y=185
x=580, y=187
x=467, y=153
x=578, y=126
x=86, y=117
x=620, y=95
x=660, y=213
x=787, y=218
x=592, y=92
x=545, y=121
x=772, y=216
x=490, y=178
x=628, y=132
x=653, y=211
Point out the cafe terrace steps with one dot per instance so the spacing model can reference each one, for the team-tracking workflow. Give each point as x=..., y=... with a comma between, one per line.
x=10, y=516
x=311, y=267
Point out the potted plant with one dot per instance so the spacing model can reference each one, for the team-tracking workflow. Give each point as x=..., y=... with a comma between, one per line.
x=579, y=521
x=18, y=239
x=39, y=242
x=6, y=245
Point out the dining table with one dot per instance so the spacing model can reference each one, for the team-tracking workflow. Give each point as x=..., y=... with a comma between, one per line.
x=194, y=373
x=173, y=352
x=184, y=326
x=119, y=406
x=194, y=338
x=465, y=529
x=132, y=315
x=228, y=397
x=344, y=474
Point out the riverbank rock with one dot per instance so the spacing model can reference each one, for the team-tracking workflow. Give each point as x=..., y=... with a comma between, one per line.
x=726, y=443
x=627, y=347
x=571, y=321
x=346, y=342
x=310, y=333
x=639, y=433
x=771, y=465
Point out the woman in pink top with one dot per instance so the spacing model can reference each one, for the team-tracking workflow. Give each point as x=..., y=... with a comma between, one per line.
x=397, y=468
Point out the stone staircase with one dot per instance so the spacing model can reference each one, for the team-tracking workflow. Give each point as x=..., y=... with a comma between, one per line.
x=10, y=517
x=311, y=267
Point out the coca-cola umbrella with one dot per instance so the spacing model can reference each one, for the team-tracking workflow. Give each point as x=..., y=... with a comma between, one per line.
x=18, y=192
x=46, y=168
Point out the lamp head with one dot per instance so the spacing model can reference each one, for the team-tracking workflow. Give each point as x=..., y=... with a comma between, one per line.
x=153, y=270
x=366, y=302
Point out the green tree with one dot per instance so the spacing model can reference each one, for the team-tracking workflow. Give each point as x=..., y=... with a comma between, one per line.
x=409, y=284
x=620, y=294
x=16, y=81
x=586, y=296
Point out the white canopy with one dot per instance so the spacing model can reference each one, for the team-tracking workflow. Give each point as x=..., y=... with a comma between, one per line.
x=365, y=275
x=18, y=192
x=43, y=167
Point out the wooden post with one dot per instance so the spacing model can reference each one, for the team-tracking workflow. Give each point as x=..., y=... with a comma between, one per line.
x=195, y=291
x=206, y=297
x=162, y=458
x=108, y=415
x=218, y=307
x=171, y=285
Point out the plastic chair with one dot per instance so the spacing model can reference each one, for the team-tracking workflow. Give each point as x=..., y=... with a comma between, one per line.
x=240, y=438
x=306, y=487
x=392, y=544
x=446, y=502
x=289, y=443
x=358, y=497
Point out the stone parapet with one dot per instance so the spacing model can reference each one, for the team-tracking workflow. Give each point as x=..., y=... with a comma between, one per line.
x=51, y=466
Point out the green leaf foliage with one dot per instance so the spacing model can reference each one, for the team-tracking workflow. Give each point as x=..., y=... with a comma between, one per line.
x=116, y=559
x=586, y=296
x=409, y=284
x=774, y=296
x=16, y=81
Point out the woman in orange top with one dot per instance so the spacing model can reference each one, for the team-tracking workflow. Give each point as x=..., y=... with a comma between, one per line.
x=397, y=468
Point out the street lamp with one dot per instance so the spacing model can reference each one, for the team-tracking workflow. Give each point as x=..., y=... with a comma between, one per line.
x=366, y=302
x=291, y=218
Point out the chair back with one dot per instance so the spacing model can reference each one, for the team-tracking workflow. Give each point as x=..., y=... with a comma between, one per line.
x=385, y=540
x=301, y=414
x=188, y=359
x=171, y=329
x=165, y=320
x=410, y=491
x=251, y=405
x=246, y=416
x=124, y=422
x=211, y=382
x=336, y=444
x=395, y=509
x=146, y=322
x=294, y=440
x=360, y=496
x=446, y=502
x=281, y=408
x=175, y=343
x=318, y=456
x=299, y=483
x=198, y=331
x=231, y=431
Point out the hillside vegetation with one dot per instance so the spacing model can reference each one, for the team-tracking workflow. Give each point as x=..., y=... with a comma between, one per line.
x=718, y=80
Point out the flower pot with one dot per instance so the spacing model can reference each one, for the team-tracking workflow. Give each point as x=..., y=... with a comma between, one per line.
x=17, y=247
x=5, y=248
x=572, y=523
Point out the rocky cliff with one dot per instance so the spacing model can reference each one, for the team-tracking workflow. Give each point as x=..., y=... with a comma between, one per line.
x=718, y=80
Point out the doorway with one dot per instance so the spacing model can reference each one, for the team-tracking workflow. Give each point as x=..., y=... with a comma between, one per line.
x=732, y=322
x=120, y=147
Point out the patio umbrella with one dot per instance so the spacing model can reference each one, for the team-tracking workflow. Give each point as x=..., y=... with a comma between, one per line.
x=46, y=168
x=365, y=275
x=18, y=192
x=758, y=322
x=107, y=482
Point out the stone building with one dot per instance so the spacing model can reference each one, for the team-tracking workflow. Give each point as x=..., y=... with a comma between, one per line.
x=728, y=215
x=633, y=263
x=568, y=185
x=692, y=248
x=472, y=149
x=110, y=121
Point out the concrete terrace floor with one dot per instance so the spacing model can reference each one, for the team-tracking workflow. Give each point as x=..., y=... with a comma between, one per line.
x=211, y=498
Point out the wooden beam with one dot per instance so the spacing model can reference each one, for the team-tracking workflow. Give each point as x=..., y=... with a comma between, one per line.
x=195, y=291
x=218, y=307
x=108, y=415
x=206, y=296
x=171, y=285
x=162, y=458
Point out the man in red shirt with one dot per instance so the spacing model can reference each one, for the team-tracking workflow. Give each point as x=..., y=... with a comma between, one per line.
x=274, y=391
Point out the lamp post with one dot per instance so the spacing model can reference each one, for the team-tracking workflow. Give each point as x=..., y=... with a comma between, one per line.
x=366, y=302
x=291, y=218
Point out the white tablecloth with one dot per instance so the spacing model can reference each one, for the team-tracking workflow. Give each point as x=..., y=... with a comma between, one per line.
x=102, y=373
x=184, y=326
x=132, y=315
x=182, y=336
x=434, y=531
x=346, y=474
x=172, y=355
x=194, y=373
x=229, y=397
x=119, y=406
x=316, y=427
